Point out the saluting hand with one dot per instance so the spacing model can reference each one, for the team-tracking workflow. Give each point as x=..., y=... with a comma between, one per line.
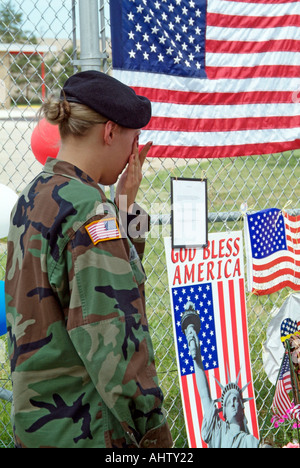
x=131, y=178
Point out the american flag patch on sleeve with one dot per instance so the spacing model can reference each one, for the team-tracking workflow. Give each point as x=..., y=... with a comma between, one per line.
x=103, y=230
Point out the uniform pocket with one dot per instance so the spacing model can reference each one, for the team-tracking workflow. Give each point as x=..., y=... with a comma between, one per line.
x=137, y=266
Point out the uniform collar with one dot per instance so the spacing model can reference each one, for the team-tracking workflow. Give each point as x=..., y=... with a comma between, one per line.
x=56, y=166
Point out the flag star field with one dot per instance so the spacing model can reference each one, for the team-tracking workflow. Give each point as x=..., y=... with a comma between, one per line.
x=201, y=296
x=169, y=35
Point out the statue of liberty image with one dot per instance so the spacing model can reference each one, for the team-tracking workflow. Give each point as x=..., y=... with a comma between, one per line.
x=217, y=433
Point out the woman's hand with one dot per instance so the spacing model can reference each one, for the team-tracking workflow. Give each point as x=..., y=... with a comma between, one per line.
x=131, y=178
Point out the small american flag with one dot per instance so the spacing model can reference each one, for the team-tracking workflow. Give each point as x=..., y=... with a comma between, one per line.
x=281, y=402
x=102, y=230
x=273, y=251
x=295, y=414
x=222, y=75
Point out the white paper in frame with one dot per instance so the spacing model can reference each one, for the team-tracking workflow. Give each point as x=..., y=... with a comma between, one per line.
x=189, y=224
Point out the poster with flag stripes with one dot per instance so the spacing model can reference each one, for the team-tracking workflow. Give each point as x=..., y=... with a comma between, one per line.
x=222, y=75
x=211, y=281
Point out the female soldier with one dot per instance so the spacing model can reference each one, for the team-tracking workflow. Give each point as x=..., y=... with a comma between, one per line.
x=82, y=360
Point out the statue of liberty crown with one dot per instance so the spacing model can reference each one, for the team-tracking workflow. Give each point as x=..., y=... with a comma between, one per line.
x=229, y=387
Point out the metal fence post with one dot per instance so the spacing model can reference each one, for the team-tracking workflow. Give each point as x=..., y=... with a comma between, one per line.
x=90, y=56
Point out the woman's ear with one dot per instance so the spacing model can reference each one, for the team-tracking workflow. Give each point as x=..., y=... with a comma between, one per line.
x=109, y=132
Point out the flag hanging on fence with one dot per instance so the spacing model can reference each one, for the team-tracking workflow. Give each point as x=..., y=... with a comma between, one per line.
x=273, y=251
x=211, y=281
x=282, y=403
x=222, y=76
x=284, y=325
x=285, y=322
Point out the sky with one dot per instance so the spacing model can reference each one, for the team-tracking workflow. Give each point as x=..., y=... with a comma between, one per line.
x=46, y=18
x=49, y=18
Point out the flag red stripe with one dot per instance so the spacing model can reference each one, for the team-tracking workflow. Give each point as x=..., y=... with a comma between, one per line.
x=251, y=22
x=293, y=240
x=290, y=231
x=270, y=290
x=267, y=265
x=223, y=324
x=250, y=47
x=215, y=99
x=268, y=278
x=293, y=230
x=277, y=274
x=221, y=125
x=281, y=402
x=199, y=406
x=294, y=219
x=245, y=332
x=235, y=73
x=188, y=411
x=247, y=361
x=220, y=151
x=293, y=250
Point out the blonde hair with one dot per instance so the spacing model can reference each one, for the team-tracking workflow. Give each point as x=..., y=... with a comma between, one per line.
x=72, y=118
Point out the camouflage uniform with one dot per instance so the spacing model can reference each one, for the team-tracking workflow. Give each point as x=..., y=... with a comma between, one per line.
x=81, y=355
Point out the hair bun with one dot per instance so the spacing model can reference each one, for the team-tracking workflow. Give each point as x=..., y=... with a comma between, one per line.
x=66, y=110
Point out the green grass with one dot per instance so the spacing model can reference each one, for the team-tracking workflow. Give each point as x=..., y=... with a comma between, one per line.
x=256, y=179
x=262, y=182
x=6, y=436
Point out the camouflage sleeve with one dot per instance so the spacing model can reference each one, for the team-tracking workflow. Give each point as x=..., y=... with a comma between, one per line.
x=109, y=329
x=137, y=225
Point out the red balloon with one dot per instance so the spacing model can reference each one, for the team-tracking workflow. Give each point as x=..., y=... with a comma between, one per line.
x=45, y=141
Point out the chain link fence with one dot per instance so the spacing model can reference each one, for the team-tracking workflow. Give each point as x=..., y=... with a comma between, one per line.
x=40, y=46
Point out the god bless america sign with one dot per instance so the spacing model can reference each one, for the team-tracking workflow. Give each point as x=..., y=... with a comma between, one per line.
x=207, y=292
x=220, y=260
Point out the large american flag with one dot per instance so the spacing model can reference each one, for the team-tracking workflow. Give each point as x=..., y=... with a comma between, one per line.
x=223, y=340
x=273, y=251
x=223, y=76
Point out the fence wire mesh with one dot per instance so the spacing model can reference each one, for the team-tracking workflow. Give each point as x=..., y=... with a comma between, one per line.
x=39, y=49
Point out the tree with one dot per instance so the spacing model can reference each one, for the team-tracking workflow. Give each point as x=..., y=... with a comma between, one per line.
x=23, y=68
x=60, y=68
x=11, y=25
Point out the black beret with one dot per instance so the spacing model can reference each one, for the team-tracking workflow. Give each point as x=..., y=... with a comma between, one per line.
x=109, y=97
